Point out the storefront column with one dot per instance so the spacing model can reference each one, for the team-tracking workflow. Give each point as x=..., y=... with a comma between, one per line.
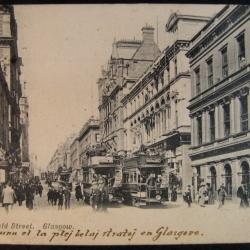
x=237, y=115
x=217, y=121
x=236, y=178
x=232, y=114
x=219, y=172
x=221, y=122
x=194, y=135
x=248, y=108
x=204, y=126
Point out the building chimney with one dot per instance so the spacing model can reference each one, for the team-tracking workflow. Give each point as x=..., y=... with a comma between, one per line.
x=148, y=34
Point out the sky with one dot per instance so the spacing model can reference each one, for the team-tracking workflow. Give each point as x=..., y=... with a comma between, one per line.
x=63, y=48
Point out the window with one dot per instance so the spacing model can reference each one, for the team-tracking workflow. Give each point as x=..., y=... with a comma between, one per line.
x=241, y=50
x=175, y=67
x=168, y=72
x=199, y=130
x=224, y=62
x=210, y=72
x=197, y=81
x=244, y=113
x=226, y=120
x=212, y=126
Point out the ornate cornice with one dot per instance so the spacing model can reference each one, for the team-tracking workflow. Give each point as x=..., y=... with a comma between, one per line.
x=236, y=15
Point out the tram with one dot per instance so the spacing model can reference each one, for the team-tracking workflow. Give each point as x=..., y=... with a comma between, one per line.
x=65, y=178
x=144, y=181
x=97, y=167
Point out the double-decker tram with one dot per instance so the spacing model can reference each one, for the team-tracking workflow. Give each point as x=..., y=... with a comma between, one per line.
x=144, y=181
x=101, y=168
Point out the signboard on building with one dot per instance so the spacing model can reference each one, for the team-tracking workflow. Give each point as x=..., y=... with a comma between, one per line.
x=25, y=164
x=95, y=160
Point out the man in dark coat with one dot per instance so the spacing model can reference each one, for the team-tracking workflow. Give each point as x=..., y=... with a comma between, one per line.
x=243, y=195
x=187, y=197
x=40, y=189
x=67, y=196
x=78, y=192
x=29, y=196
x=20, y=194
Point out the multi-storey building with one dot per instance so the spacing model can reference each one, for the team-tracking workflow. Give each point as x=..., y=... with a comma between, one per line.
x=89, y=137
x=10, y=63
x=74, y=158
x=155, y=108
x=24, y=120
x=61, y=157
x=4, y=125
x=220, y=102
x=129, y=59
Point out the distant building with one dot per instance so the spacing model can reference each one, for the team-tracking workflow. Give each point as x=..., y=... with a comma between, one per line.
x=89, y=137
x=10, y=63
x=61, y=157
x=155, y=117
x=220, y=102
x=129, y=59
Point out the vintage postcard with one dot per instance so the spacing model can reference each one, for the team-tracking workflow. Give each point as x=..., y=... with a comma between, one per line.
x=124, y=124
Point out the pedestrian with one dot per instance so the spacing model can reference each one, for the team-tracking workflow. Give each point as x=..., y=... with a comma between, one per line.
x=202, y=195
x=8, y=197
x=78, y=192
x=67, y=196
x=221, y=195
x=102, y=199
x=49, y=195
x=54, y=196
x=60, y=198
x=29, y=195
x=20, y=194
x=95, y=195
x=240, y=194
x=174, y=193
x=40, y=189
x=187, y=197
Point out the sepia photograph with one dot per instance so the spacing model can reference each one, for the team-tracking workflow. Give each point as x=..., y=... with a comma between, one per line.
x=124, y=124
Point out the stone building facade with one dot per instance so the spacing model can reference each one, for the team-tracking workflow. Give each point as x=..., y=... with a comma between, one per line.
x=128, y=61
x=155, y=108
x=61, y=157
x=24, y=121
x=74, y=156
x=220, y=102
x=4, y=124
x=89, y=137
x=10, y=63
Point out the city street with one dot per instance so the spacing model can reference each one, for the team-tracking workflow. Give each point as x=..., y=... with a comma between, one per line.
x=211, y=222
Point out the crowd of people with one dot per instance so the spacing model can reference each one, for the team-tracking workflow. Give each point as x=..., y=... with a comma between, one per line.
x=206, y=195
x=59, y=197
x=20, y=191
x=25, y=191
